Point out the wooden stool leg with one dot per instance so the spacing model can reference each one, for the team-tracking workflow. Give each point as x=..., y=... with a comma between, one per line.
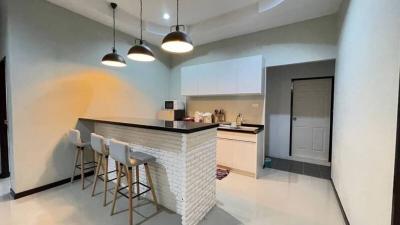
x=126, y=173
x=99, y=164
x=105, y=179
x=82, y=168
x=116, y=167
x=150, y=181
x=119, y=169
x=76, y=162
x=130, y=195
x=137, y=180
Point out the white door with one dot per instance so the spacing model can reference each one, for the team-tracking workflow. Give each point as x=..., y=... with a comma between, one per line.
x=311, y=119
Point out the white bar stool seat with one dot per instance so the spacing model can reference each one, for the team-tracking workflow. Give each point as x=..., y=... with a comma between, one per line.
x=121, y=152
x=74, y=137
x=101, y=146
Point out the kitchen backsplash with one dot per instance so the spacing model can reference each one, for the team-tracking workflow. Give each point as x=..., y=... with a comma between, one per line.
x=250, y=106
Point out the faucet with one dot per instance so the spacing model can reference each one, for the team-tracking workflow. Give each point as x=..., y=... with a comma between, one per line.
x=239, y=120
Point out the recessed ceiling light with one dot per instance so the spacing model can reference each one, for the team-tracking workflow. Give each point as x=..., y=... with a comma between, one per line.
x=266, y=5
x=166, y=16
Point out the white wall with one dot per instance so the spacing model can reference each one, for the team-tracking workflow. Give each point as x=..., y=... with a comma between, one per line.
x=306, y=41
x=56, y=76
x=365, y=110
x=279, y=80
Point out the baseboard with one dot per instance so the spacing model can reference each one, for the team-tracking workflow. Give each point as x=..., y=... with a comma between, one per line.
x=340, y=204
x=237, y=171
x=45, y=187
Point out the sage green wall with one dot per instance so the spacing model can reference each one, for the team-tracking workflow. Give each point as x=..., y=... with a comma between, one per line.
x=56, y=76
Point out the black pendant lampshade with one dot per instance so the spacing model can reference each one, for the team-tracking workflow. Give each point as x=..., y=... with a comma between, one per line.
x=113, y=59
x=140, y=52
x=177, y=41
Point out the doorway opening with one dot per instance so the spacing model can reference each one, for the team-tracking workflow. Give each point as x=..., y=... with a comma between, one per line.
x=4, y=161
x=311, y=111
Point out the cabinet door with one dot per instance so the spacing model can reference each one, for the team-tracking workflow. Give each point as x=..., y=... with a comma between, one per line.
x=206, y=79
x=226, y=78
x=250, y=75
x=224, y=152
x=245, y=156
x=236, y=154
x=188, y=81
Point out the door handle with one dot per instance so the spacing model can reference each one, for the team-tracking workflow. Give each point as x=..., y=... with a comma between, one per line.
x=294, y=118
x=6, y=122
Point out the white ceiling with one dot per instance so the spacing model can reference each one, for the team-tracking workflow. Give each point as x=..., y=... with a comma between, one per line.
x=206, y=20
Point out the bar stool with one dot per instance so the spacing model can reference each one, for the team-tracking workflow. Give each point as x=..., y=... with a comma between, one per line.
x=75, y=138
x=120, y=152
x=100, y=146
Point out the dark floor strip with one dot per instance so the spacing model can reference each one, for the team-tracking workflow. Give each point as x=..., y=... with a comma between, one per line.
x=308, y=169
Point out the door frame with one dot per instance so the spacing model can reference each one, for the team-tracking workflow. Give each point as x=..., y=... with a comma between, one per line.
x=5, y=169
x=396, y=179
x=331, y=112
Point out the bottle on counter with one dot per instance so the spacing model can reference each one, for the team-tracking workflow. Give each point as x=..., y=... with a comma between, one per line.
x=239, y=120
x=223, y=118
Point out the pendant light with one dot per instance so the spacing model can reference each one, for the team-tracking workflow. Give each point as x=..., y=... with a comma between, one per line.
x=113, y=59
x=140, y=52
x=177, y=41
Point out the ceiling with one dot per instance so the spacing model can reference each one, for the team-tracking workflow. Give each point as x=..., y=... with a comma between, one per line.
x=206, y=20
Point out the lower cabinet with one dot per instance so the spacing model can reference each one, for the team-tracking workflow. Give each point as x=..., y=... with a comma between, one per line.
x=239, y=152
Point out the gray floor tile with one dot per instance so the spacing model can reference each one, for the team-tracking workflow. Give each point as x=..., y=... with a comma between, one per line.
x=301, y=168
x=280, y=164
x=326, y=172
x=312, y=170
x=296, y=167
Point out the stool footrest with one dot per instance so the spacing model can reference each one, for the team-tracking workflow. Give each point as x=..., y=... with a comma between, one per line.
x=101, y=176
x=137, y=194
x=87, y=168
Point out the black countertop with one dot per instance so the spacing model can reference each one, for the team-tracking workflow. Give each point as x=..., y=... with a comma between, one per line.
x=173, y=126
x=258, y=130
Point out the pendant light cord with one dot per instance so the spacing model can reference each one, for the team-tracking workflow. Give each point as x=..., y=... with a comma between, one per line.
x=114, y=30
x=141, y=21
x=177, y=13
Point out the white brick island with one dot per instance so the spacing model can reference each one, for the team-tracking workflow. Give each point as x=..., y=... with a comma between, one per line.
x=184, y=172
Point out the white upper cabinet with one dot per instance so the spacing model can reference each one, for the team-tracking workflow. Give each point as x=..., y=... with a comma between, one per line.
x=226, y=79
x=205, y=80
x=230, y=77
x=250, y=75
x=189, y=81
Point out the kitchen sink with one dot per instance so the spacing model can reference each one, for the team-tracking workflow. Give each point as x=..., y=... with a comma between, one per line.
x=244, y=128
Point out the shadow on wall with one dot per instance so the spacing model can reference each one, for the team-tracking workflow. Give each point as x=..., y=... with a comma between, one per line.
x=47, y=109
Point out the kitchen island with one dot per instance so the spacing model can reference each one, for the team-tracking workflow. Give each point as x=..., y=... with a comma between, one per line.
x=185, y=152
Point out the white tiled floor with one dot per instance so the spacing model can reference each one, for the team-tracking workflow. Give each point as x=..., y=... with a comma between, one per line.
x=278, y=198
